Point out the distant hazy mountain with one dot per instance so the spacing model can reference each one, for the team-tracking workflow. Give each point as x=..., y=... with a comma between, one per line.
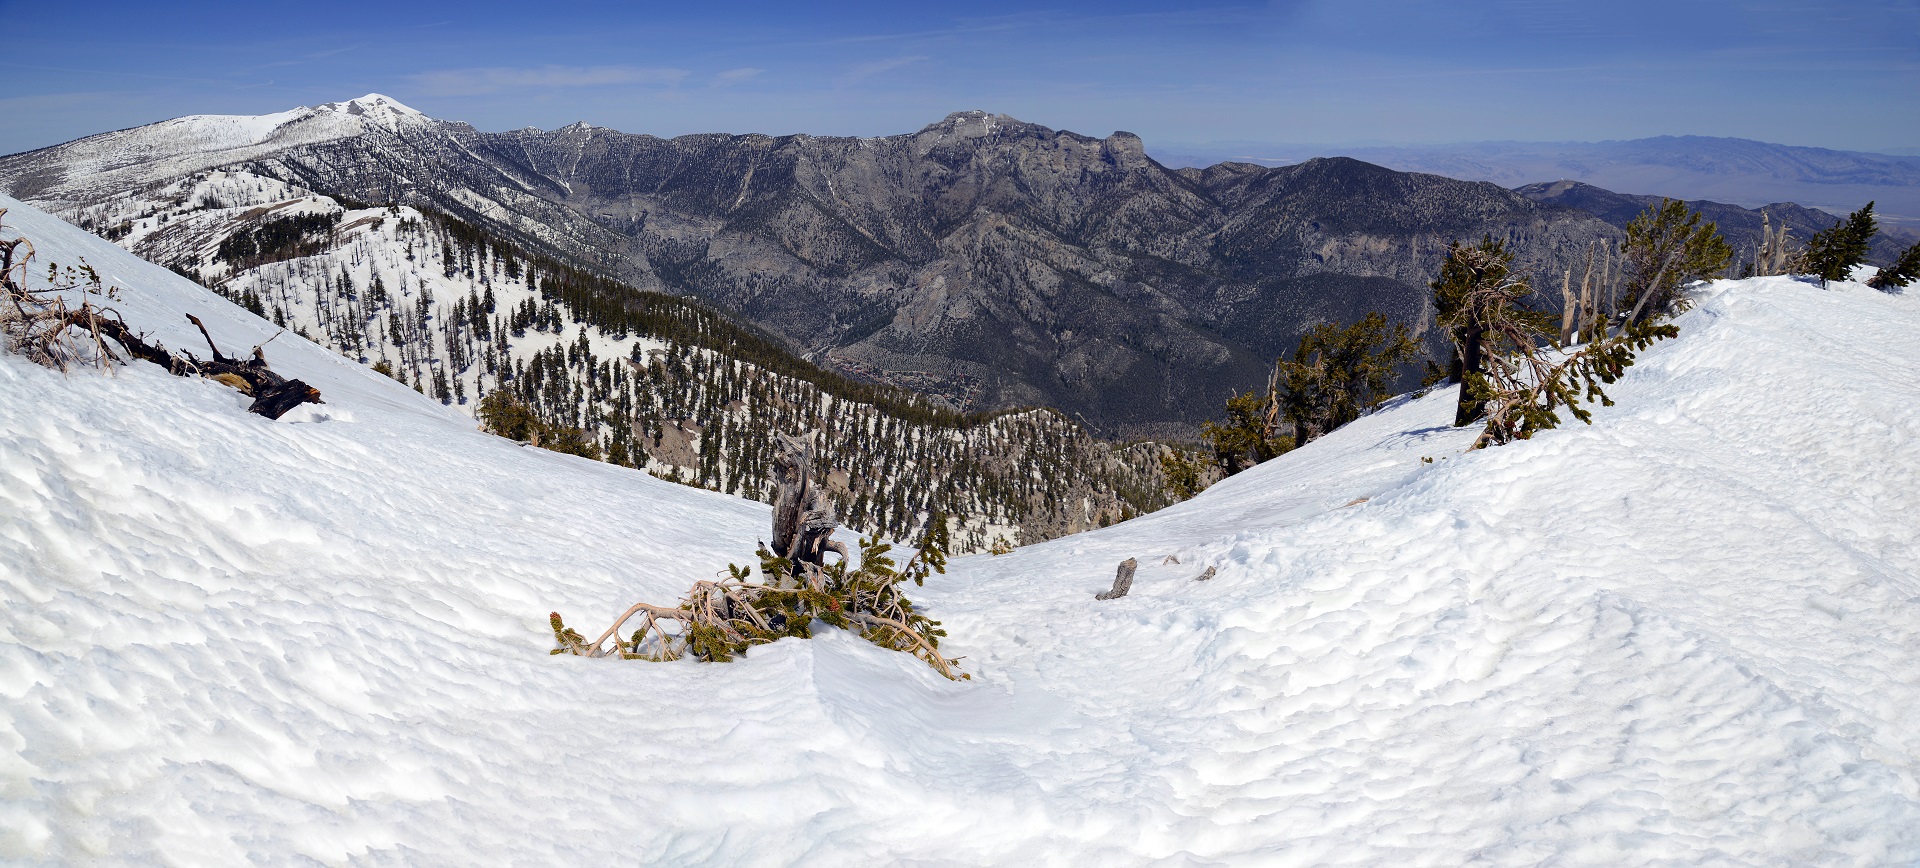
x=991, y=261
x=1737, y=171
x=1740, y=226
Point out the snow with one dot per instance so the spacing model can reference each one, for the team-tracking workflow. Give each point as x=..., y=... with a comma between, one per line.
x=132, y=158
x=1689, y=632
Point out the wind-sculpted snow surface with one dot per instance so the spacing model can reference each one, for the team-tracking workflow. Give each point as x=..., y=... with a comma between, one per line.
x=1690, y=632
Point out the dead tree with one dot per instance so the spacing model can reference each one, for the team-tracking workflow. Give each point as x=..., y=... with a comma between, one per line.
x=803, y=516
x=273, y=395
x=1122, y=581
x=41, y=325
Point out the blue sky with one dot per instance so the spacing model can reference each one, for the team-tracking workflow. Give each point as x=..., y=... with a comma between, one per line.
x=1831, y=74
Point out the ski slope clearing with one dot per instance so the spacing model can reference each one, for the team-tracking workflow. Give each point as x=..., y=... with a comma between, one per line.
x=1689, y=632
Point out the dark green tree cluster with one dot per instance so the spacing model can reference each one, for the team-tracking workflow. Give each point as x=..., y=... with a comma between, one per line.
x=278, y=238
x=1832, y=253
x=1665, y=248
x=1899, y=274
x=1249, y=434
x=501, y=414
x=1336, y=375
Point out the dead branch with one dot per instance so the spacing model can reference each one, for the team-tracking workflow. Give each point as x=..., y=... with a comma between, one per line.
x=40, y=325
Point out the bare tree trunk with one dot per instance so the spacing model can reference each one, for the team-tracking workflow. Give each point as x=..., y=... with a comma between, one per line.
x=1122, y=581
x=1586, y=291
x=803, y=517
x=1469, y=408
x=1569, y=309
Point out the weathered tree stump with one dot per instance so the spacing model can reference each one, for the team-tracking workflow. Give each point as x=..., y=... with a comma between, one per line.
x=273, y=395
x=803, y=515
x=1122, y=581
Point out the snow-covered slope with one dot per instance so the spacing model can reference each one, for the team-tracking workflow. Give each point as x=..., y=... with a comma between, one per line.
x=125, y=160
x=1689, y=632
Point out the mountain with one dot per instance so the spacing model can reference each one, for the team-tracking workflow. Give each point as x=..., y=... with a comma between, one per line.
x=1686, y=634
x=1740, y=171
x=992, y=262
x=650, y=381
x=1740, y=226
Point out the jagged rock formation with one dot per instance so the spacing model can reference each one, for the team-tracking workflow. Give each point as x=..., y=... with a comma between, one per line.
x=992, y=262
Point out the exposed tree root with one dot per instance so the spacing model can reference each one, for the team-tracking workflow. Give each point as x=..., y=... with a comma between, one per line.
x=40, y=325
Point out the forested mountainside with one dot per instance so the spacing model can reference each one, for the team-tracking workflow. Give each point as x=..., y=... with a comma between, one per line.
x=991, y=262
x=653, y=381
x=1740, y=226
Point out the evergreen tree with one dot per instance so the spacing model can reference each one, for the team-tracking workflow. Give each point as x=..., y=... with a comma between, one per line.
x=1667, y=247
x=1832, y=254
x=1337, y=374
x=1476, y=298
x=1509, y=375
x=1249, y=435
x=1899, y=274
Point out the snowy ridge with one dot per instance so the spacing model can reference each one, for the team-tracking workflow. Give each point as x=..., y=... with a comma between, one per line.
x=130, y=159
x=1688, y=632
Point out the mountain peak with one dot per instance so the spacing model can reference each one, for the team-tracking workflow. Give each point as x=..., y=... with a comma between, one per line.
x=375, y=107
x=975, y=123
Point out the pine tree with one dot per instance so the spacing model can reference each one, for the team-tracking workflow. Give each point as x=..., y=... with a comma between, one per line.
x=1337, y=374
x=1476, y=299
x=1899, y=274
x=1666, y=247
x=1249, y=434
x=1510, y=377
x=1832, y=254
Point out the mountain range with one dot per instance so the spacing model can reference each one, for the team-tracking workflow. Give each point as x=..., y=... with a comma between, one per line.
x=1737, y=171
x=1742, y=227
x=989, y=261
x=983, y=260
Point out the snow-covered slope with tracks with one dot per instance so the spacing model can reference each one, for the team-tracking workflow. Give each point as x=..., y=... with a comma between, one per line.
x=1689, y=632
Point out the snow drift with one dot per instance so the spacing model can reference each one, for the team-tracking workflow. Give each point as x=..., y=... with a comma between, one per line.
x=1688, y=632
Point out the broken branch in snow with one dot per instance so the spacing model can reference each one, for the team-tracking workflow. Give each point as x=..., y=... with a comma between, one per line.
x=40, y=325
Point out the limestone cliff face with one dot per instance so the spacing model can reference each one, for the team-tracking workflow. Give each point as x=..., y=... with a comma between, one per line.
x=990, y=261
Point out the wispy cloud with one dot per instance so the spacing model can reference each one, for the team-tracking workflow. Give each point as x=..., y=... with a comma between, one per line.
x=730, y=77
x=862, y=71
x=495, y=79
